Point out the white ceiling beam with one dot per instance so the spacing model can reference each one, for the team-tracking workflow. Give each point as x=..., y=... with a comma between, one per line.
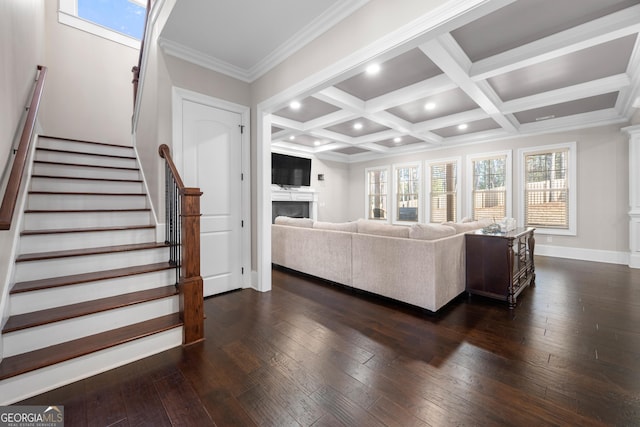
x=330, y=136
x=451, y=120
x=374, y=147
x=445, y=52
x=593, y=118
x=607, y=28
x=571, y=93
x=285, y=123
x=375, y=137
x=405, y=95
x=330, y=119
x=341, y=99
x=330, y=147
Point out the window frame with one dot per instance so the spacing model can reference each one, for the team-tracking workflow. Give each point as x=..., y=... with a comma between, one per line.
x=387, y=169
x=68, y=15
x=508, y=180
x=572, y=162
x=394, y=192
x=428, y=170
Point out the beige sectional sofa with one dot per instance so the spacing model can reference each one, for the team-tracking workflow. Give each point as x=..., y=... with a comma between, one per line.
x=422, y=265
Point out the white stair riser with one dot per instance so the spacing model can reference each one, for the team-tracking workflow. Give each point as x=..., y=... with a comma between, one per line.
x=60, y=144
x=95, y=239
x=84, y=171
x=88, y=186
x=66, y=330
x=84, y=201
x=54, y=221
x=84, y=159
x=23, y=386
x=26, y=302
x=58, y=267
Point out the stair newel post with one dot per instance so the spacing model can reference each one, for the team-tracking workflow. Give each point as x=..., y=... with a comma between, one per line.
x=191, y=285
x=182, y=207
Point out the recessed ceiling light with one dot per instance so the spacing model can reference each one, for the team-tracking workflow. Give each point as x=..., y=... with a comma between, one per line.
x=357, y=125
x=295, y=105
x=292, y=137
x=316, y=142
x=373, y=69
x=463, y=126
x=397, y=140
x=429, y=106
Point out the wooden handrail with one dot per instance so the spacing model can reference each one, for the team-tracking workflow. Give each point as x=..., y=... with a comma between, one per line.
x=19, y=162
x=165, y=153
x=185, y=240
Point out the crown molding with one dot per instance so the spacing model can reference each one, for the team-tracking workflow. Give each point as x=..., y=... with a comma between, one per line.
x=317, y=27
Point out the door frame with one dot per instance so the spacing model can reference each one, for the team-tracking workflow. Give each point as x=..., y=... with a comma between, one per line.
x=178, y=96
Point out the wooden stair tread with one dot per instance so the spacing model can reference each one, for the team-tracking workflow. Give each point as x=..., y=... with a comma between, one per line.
x=84, y=193
x=106, y=144
x=43, y=317
x=82, y=178
x=85, y=210
x=89, y=251
x=84, y=153
x=84, y=230
x=54, y=282
x=27, y=362
x=47, y=162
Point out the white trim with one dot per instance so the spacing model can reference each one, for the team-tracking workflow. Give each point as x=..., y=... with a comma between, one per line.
x=573, y=186
x=387, y=169
x=394, y=192
x=508, y=179
x=178, y=95
x=68, y=15
x=594, y=255
x=427, y=185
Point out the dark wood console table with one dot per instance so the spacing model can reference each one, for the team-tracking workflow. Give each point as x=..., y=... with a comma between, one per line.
x=500, y=265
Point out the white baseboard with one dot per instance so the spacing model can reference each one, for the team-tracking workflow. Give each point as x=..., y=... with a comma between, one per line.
x=609, y=257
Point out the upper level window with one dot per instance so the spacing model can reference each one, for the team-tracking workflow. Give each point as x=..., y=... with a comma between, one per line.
x=491, y=186
x=549, y=188
x=443, y=191
x=119, y=20
x=407, y=194
x=377, y=193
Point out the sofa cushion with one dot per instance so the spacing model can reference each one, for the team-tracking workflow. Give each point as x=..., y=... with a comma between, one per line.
x=294, y=222
x=350, y=227
x=382, y=229
x=464, y=227
x=431, y=231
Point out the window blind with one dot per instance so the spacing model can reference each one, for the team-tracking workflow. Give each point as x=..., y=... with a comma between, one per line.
x=546, y=189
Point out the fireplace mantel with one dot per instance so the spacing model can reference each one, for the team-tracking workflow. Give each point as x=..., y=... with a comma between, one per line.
x=297, y=194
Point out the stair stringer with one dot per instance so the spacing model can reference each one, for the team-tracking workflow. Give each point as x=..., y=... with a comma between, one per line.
x=11, y=240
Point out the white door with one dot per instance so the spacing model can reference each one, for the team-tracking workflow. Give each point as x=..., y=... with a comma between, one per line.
x=211, y=160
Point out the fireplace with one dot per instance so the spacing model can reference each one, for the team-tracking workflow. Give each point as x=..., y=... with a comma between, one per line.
x=293, y=209
x=299, y=202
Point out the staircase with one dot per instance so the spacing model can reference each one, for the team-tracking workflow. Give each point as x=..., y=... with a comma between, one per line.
x=92, y=288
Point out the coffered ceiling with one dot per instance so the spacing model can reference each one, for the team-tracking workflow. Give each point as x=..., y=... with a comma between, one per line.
x=532, y=66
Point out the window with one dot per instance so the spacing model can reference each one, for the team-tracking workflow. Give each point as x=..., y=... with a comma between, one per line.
x=377, y=193
x=121, y=21
x=548, y=198
x=407, y=193
x=491, y=186
x=442, y=185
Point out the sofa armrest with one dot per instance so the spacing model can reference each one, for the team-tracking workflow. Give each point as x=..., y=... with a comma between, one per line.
x=321, y=253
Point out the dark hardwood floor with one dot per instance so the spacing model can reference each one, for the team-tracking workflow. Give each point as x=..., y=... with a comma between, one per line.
x=311, y=353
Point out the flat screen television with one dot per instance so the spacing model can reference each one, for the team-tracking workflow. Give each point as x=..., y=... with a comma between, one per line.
x=290, y=170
